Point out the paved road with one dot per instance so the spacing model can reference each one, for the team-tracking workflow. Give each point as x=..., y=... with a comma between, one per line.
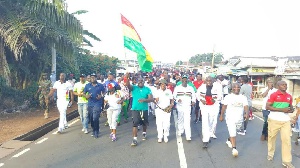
x=75, y=149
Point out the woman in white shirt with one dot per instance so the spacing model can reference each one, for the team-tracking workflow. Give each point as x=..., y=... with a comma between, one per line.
x=114, y=99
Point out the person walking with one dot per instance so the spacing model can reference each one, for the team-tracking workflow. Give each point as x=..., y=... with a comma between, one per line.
x=82, y=102
x=44, y=89
x=94, y=92
x=280, y=105
x=63, y=89
x=125, y=104
x=236, y=107
x=197, y=83
x=209, y=95
x=266, y=92
x=141, y=96
x=185, y=98
x=114, y=99
x=164, y=100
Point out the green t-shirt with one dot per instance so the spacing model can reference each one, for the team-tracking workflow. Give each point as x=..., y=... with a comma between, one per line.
x=140, y=93
x=78, y=87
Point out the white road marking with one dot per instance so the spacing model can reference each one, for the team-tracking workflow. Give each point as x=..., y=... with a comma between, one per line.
x=1, y=164
x=21, y=153
x=258, y=117
x=181, y=154
x=73, y=122
x=41, y=141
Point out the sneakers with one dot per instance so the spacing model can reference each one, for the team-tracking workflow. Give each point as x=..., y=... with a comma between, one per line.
x=205, y=145
x=196, y=121
x=134, y=142
x=111, y=135
x=251, y=118
x=235, y=153
x=229, y=144
x=66, y=126
x=241, y=132
x=288, y=165
x=113, y=138
x=166, y=139
x=86, y=131
x=118, y=123
x=213, y=136
x=269, y=158
x=159, y=140
x=82, y=129
x=106, y=124
x=144, y=137
x=188, y=138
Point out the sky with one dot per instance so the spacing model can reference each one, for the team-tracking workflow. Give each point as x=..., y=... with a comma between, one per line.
x=173, y=30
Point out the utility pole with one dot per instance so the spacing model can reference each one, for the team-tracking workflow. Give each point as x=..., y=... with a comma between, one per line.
x=213, y=59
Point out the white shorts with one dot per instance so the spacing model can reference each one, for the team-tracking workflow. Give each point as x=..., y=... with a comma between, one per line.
x=233, y=125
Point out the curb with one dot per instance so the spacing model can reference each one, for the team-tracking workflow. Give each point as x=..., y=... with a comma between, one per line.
x=44, y=129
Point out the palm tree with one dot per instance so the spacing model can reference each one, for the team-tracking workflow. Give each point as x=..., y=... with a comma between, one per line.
x=25, y=24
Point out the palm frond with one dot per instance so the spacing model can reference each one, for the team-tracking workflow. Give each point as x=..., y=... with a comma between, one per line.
x=91, y=35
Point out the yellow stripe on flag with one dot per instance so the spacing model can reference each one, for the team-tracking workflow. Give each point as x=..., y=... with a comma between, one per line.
x=148, y=56
x=131, y=33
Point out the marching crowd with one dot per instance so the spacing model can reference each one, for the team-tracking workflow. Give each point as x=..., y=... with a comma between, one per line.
x=207, y=96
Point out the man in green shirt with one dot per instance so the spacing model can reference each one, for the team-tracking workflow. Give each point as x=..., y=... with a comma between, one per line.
x=82, y=102
x=141, y=96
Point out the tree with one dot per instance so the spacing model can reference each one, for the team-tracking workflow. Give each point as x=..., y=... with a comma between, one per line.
x=179, y=63
x=27, y=24
x=206, y=57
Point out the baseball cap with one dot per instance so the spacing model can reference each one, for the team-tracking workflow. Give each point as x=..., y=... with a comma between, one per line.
x=111, y=85
x=184, y=76
x=82, y=75
x=93, y=74
x=212, y=75
x=163, y=81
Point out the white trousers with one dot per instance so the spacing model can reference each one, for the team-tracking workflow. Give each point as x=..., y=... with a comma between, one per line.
x=162, y=123
x=151, y=108
x=184, y=120
x=62, y=109
x=112, y=117
x=209, y=120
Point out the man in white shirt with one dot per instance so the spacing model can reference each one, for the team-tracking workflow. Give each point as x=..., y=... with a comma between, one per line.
x=266, y=92
x=209, y=95
x=236, y=107
x=164, y=99
x=185, y=97
x=63, y=89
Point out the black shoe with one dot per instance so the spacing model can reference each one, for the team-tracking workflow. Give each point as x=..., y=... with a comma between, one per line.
x=205, y=145
x=118, y=123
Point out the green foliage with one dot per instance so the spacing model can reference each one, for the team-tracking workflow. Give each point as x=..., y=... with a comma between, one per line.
x=206, y=57
x=10, y=97
x=179, y=63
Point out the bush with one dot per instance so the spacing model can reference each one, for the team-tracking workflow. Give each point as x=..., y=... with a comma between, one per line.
x=11, y=97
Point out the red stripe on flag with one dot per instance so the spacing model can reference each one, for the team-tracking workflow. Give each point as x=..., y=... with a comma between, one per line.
x=128, y=23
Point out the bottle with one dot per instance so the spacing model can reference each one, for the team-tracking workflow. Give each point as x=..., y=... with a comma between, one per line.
x=67, y=96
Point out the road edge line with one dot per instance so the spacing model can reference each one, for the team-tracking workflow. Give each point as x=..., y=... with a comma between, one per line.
x=181, y=154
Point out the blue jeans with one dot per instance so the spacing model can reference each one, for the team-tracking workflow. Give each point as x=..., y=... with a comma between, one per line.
x=94, y=114
x=265, y=127
x=83, y=113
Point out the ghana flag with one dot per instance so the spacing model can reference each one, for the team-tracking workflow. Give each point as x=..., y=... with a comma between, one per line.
x=132, y=41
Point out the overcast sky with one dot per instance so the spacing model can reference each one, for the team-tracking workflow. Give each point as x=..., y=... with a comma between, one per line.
x=174, y=30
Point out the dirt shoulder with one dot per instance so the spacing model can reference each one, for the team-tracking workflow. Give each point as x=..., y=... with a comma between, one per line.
x=15, y=124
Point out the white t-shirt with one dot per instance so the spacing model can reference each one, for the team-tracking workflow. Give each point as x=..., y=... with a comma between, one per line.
x=164, y=98
x=63, y=90
x=225, y=84
x=235, y=105
x=185, y=94
x=265, y=99
x=113, y=100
